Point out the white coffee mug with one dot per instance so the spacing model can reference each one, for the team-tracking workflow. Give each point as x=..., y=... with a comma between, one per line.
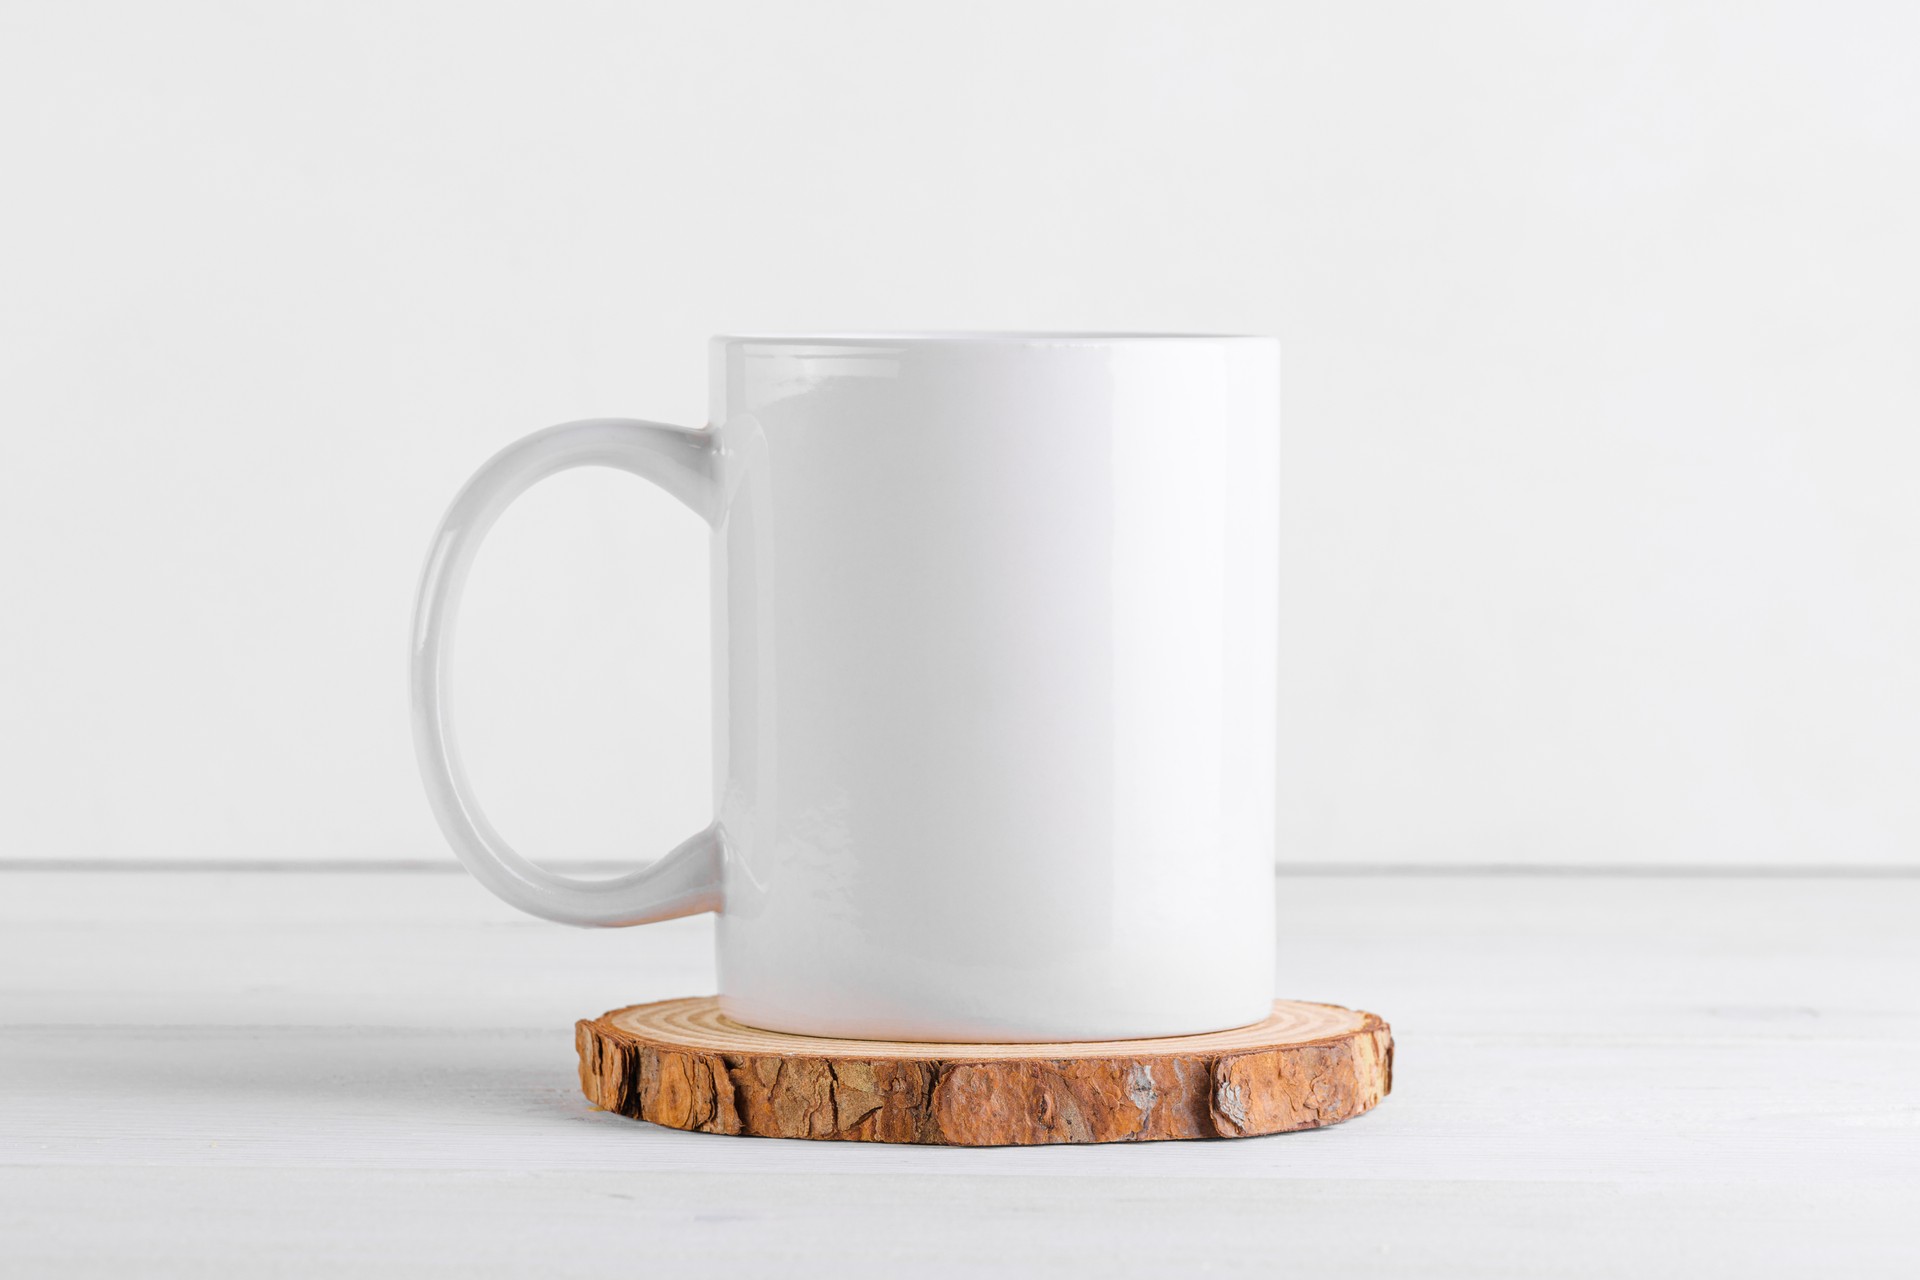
x=994, y=666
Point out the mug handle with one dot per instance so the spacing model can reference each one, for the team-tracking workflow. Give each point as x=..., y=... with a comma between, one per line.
x=686, y=880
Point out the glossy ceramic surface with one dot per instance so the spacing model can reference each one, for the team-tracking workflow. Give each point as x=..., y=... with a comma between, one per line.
x=994, y=682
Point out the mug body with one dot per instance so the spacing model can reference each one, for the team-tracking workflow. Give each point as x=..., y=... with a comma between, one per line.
x=995, y=621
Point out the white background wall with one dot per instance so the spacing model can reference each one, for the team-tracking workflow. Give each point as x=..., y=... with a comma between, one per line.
x=1601, y=442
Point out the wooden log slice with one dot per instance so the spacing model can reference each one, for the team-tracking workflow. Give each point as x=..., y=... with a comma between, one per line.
x=681, y=1064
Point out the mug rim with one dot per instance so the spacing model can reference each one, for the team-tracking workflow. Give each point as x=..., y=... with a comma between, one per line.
x=1011, y=337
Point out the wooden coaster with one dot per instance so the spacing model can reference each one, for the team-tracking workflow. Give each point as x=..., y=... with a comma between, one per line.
x=681, y=1064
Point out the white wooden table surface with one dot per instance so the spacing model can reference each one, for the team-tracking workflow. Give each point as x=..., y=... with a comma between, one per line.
x=307, y=1073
